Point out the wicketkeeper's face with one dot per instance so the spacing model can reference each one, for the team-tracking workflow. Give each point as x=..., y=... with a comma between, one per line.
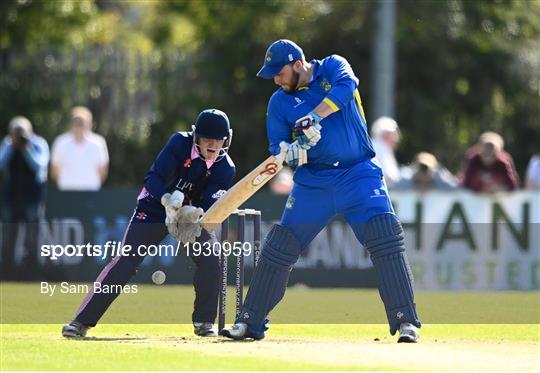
x=209, y=148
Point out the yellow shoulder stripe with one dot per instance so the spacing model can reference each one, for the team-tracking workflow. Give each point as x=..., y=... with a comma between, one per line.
x=359, y=103
x=330, y=103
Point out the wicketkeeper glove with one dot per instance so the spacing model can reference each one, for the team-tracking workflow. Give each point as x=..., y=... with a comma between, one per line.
x=188, y=227
x=173, y=204
x=308, y=130
x=295, y=155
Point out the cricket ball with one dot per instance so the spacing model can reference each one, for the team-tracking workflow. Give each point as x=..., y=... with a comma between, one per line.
x=158, y=277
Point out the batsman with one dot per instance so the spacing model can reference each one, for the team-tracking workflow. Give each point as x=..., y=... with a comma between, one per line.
x=316, y=116
x=190, y=173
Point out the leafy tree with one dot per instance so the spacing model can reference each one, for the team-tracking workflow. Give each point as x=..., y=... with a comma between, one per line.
x=465, y=67
x=146, y=68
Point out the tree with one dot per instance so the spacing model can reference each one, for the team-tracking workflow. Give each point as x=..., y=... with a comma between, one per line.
x=147, y=68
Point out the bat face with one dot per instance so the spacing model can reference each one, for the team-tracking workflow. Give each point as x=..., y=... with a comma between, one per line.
x=268, y=172
x=242, y=190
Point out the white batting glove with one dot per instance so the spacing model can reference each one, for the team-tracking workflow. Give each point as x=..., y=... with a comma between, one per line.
x=296, y=156
x=173, y=204
x=308, y=130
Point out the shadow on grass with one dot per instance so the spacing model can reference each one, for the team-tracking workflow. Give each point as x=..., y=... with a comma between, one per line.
x=109, y=339
x=228, y=340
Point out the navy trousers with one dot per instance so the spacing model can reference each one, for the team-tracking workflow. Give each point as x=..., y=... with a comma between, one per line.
x=145, y=230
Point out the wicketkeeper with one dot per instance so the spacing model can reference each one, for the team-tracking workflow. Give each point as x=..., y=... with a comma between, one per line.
x=190, y=173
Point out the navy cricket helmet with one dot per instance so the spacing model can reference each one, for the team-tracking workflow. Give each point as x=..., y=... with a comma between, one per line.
x=213, y=124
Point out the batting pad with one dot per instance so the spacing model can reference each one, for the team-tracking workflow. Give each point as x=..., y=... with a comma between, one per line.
x=279, y=253
x=385, y=242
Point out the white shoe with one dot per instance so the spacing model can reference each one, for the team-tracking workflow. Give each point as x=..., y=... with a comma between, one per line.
x=238, y=331
x=241, y=331
x=408, y=333
x=204, y=329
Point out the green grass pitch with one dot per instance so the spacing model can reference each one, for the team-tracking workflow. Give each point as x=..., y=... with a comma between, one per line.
x=312, y=329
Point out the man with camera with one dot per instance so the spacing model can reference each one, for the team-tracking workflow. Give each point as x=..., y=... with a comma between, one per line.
x=24, y=157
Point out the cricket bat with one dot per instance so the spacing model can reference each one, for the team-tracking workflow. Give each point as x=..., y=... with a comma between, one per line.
x=242, y=190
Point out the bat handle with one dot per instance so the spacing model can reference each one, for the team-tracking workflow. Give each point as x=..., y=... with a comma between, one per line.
x=284, y=146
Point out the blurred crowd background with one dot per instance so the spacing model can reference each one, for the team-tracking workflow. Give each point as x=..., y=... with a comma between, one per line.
x=90, y=90
x=146, y=68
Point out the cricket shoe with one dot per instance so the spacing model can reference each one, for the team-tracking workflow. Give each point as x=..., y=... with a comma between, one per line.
x=204, y=329
x=240, y=331
x=408, y=333
x=75, y=329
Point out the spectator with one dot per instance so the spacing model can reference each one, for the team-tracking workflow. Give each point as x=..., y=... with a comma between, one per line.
x=385, y=137
x=488, y=168
x=24, y=157
x=424, y=174
x=80, y=160
x=532, y=175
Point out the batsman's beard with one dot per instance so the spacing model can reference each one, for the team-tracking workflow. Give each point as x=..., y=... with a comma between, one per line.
x=293, y=84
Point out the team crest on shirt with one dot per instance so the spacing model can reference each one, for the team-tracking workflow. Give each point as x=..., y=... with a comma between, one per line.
x=325, y=84
x=268, y=57
x=290, y=202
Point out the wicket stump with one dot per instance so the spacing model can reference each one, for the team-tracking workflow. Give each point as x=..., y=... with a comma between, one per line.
x=223, y=263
